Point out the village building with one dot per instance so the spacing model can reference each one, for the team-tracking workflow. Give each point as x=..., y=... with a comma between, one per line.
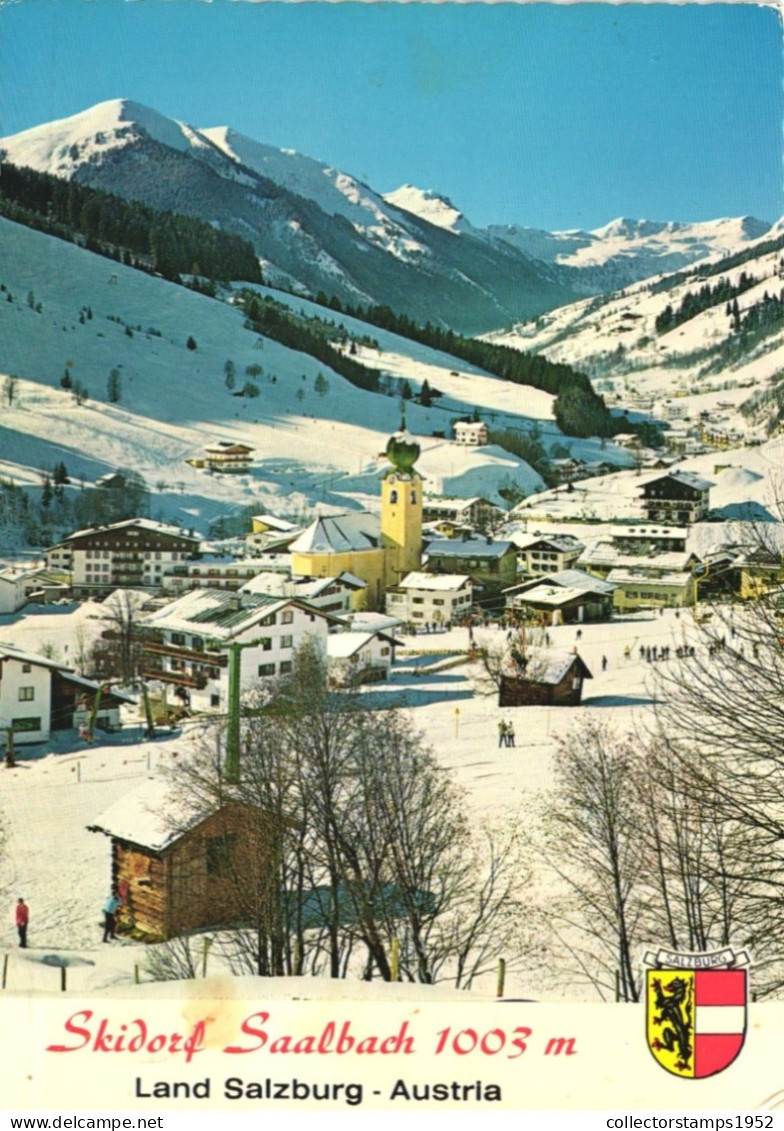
x=328, y=594
x=179, y=867
x=471, y=434
x=39, y=696
x=569, y=596
x=227, y=455
x=545, y=553
x=547, y=678
x=210, y=571
x=377, y=552
x=187, y=643
x=431, y=598
x=337, y=544
x=490, y=565
x=271, y=524
x=450, y=515
x=644, y=538
x=135, y=553
x=677, y=497
x=604, y=556
x=20, y=586
x=649, y=589
x=359, y=657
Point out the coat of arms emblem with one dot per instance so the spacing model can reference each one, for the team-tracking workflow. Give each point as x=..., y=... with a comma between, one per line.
x=695, y=1007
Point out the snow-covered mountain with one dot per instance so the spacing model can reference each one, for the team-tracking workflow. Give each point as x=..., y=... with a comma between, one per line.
x=711, y=336
x=624, y=251
x=313, y=226
x=317, y=228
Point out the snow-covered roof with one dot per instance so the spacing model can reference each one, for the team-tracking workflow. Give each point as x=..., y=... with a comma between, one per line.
x=606, y=554
x=467, y=548
x=227, y=446
x=561, y=542
x=567, y=579
x=11, y=652
x=547, y=665
x=275, y=523
x=443, y=582
x=337, y=535
x=636, y=576
x=215, y=613
x=147, y=524
x=453, y=502
x=342, y=645
x=553, y=595
x=149, y=817
x=687, y=478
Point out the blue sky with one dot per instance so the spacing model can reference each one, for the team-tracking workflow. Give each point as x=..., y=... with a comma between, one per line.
x=544, y=115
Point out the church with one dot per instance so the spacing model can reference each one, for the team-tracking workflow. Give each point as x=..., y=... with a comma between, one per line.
x=378, y=553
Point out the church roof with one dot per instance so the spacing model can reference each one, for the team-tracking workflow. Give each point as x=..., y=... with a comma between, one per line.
x=338, y=534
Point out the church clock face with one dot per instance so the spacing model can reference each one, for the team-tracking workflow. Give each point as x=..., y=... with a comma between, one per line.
x=392, y=479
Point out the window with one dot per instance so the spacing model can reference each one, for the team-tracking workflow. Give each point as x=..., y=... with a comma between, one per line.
x=287, y=641
x=220, y=854
x=26, y=694
x=27, y=667
x=286, y=667
x=393, y=496
x=266, y=669
x=287, y=616
x=215, y=700
x=266, y=644
x=177, y=638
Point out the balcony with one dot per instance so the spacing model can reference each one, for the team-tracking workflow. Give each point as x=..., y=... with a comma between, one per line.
x=182, y=679
x=179, y=652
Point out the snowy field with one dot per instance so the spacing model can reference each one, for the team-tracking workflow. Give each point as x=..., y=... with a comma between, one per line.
x=63, y=871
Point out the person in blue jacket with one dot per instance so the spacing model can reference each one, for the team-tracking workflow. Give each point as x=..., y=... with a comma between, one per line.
x=110, y=909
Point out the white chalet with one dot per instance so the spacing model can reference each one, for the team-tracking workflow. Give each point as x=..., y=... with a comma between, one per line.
x=359, y=657
x=187, y=643
x=38, y=695
x=431, y=598
x=472, y=434
x=225, y=455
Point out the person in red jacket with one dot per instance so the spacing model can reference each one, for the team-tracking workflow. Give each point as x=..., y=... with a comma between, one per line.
x=22, y=919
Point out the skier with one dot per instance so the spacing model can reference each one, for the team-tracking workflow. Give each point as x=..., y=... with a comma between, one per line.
x=110, y=909
x=510, y=734
x=22, y=919
x=503, y=739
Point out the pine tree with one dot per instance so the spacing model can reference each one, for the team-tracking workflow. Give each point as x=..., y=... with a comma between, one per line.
x=114, y=387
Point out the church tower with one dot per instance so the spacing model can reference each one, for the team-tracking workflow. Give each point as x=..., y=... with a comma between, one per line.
x=401, y=509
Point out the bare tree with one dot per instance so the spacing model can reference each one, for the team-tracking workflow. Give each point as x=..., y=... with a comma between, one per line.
x=371, y=842
x=595, y=850
x=118, y=651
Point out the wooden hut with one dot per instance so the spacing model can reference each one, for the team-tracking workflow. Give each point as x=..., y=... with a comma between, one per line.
x=178, y=869
x=549, y=679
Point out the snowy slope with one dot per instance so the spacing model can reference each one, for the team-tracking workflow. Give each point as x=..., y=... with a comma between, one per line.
x=174, y=400
x=315, y=226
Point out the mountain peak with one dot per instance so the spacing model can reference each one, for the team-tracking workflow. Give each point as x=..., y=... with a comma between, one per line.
x=428, y=205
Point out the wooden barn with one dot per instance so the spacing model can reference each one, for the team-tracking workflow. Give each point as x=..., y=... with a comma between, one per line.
x=178, y=870
x=548, y=679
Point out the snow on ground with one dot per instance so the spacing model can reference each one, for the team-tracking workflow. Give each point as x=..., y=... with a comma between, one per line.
x=174, y=399
x=63, y=871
